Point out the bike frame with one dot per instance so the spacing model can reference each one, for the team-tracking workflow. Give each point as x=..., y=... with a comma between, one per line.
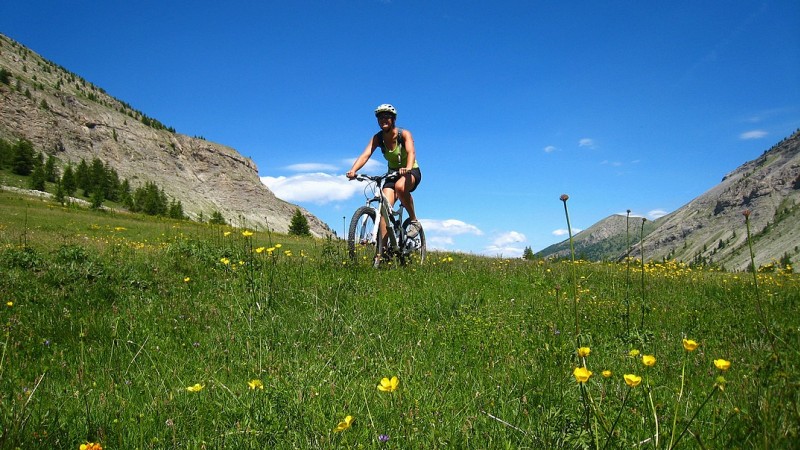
x=393, y=218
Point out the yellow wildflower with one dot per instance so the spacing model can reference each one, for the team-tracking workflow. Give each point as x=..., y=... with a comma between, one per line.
x=196, y=388
x=247, y=233
x=255, y=384
x=91, y=446
x=689, y=345
x=581, y=374
x=343, y=425
x=584, y=352
x=722, y=364
x=633, y=353
x=225, y=261
x=388, y=385
x=9, y=304
x=632, y=380
x=227, y=233
x=649, y=360
x=186, y=279
x=260, y=250
x=279, y=246
x=607, y=373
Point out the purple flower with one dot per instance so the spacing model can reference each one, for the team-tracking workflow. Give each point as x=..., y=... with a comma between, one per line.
x=383, y=437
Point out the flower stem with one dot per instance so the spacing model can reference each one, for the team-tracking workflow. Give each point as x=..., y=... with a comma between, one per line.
x=641, y=243
x=678, y=402
x=621, y=408
x=693, y=416
x=574, y=280
x=653, y=409
x=759, y=306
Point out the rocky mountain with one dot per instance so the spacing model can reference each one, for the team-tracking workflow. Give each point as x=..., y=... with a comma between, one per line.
x=605, y=240
x=711, y=228
x=66, y=116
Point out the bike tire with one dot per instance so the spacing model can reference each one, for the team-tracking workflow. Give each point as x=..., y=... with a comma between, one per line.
x=361, y=245
x=420, y=251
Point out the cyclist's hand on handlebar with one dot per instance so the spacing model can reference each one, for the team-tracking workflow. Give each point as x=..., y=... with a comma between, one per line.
x=351, y=174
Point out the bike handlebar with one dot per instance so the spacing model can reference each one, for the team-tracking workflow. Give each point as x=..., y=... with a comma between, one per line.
x=376, y=178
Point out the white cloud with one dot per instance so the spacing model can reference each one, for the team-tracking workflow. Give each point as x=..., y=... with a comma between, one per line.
x=440, y=234
x=448, y=227
x=505, y=252
x=753, y=134
x=312, y=167
x=651, y=215
x=550, y=149
x=509, y=237
x=319, y=188
x=438, y=242
x=501, y=245
x=586, y=142
x=564, y=232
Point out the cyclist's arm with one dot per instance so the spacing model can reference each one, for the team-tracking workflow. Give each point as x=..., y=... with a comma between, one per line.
x=363, y=158
x=410, y=152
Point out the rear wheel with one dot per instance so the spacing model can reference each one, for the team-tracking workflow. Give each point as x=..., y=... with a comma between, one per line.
x=361, y=238
x=415, y=249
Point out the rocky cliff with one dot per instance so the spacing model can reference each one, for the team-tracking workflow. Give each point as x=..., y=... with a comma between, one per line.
x=66, y=116
x=711, y=228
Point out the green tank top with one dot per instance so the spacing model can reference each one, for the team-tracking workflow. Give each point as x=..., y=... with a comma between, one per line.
x=397, y=157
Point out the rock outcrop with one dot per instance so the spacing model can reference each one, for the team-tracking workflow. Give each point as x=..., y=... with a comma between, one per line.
x=70, y=118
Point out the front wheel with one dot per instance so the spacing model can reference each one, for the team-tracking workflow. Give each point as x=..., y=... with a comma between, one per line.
x=361, y=237
x=414, y=249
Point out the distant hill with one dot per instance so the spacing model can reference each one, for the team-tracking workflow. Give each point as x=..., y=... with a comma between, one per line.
x=710, y=229
x=606, y=240
x=68, y=117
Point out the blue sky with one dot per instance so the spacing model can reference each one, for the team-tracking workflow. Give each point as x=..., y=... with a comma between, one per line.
x=622, y=104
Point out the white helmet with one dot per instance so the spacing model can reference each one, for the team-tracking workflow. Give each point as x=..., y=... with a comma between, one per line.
x=386, y=108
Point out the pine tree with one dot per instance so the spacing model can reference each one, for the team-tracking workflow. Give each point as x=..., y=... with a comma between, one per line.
x=60, y=195
x=176, y=210
x=299, y=224
x=97, y=199
x=23, y=158
x=97, y=178
x=38, y=178
x=527, y=254
x=5, y=153
x=50, y=170
x=68, y=181
x=82, y=176
x=217, y=218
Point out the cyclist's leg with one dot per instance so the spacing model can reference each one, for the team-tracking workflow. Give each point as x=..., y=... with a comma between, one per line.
x=403, y=187
x=389, y=195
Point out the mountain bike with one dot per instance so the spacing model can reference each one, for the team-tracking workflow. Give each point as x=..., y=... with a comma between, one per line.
x=364, y=240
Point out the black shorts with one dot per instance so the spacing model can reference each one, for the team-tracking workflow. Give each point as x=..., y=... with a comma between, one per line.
x=415, y=172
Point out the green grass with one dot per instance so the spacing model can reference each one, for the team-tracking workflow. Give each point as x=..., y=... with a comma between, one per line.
x=109, y=317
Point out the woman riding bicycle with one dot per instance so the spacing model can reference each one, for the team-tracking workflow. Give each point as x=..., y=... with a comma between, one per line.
x=397, y=146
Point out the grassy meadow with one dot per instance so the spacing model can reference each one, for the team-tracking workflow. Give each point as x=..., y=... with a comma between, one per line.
x=142, y=333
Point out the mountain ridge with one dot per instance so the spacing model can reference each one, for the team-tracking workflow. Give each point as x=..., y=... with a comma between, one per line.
x=64, y=115
x=710, y=229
